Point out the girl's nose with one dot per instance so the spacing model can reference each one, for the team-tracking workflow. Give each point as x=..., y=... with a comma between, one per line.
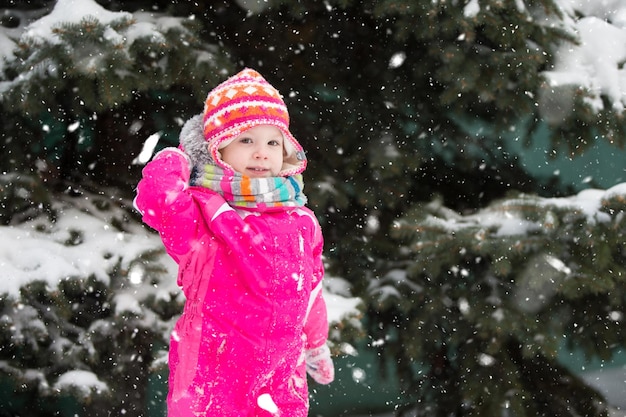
x=260, y=153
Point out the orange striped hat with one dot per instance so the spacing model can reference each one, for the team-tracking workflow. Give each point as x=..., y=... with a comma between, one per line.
x=241, y=102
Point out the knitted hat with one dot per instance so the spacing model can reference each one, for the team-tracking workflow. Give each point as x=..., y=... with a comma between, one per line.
x=243, y=101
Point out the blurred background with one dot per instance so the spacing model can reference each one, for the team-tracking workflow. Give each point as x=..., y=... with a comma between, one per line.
x=466, y=163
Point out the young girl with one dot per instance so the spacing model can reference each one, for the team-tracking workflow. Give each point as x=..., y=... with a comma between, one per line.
x=229, y=207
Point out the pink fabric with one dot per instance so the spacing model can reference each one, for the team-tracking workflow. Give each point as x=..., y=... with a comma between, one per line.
x=248, y=279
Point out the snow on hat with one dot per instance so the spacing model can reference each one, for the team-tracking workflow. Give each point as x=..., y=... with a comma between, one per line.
x=243, y=101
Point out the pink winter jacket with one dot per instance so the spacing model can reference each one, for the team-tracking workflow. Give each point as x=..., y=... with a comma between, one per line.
x=252, y=283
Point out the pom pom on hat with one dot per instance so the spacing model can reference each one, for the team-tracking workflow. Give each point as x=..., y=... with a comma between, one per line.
x=241, y=102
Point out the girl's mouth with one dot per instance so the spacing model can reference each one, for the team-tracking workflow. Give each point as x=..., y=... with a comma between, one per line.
x=258, y=170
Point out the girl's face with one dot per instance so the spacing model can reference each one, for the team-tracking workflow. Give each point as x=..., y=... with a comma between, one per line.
x=257, y=152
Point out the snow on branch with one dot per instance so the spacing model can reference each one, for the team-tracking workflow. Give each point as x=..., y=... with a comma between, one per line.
x=81, y=41
x=591, y=68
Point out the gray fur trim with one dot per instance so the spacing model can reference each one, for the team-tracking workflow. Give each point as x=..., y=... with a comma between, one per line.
x=193, y=142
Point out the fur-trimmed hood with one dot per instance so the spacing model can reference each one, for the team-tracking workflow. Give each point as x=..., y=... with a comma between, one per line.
x=193, y=144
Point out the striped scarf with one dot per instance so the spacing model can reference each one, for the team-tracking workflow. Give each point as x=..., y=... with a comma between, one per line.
x=251, y=193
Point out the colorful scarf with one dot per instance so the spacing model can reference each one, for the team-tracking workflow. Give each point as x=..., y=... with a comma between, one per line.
x=251, y=193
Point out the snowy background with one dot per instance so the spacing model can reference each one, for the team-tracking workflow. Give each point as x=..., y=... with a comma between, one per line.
x=38, y=250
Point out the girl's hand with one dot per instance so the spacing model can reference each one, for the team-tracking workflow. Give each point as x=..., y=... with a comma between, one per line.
x=319, y=365
x=164, y=179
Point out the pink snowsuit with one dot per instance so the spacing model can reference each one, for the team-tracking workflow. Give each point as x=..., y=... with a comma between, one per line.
x=252, y=283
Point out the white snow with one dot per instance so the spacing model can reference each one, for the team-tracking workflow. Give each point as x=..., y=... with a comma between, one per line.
x=266, y=402
x=505, y=218
x=35, y=30
x=471, y=9
x=595, y=64
x=253, y=6
x=78, y=244
x=71, y=11
x=340, y=307
x=81, y=381
x=397, y=60
x=148, y=149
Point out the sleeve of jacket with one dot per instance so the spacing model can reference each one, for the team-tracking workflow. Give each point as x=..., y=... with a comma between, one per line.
x=165, y=203
x=316, y=324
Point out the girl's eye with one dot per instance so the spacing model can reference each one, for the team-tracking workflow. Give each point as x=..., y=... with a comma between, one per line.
x=245, y=140
x=274, y=143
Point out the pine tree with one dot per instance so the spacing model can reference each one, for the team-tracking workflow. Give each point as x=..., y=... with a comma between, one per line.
x=406, y=108
x=75, y=94
x=101, y=79
x=88, y=343
x=483, y=303
x=381, y=136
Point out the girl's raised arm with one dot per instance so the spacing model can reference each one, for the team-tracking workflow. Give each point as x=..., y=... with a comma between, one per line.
x=165, y=203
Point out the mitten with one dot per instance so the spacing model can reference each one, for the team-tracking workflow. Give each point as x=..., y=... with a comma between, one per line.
x=164, y=179
x=319, y=365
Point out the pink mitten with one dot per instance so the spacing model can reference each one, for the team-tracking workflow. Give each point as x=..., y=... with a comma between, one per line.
x=159, y=191
x=319, y=365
